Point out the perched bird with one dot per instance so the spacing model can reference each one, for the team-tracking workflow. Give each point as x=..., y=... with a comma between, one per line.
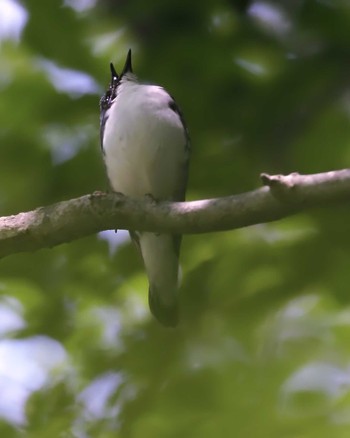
x=146, y=148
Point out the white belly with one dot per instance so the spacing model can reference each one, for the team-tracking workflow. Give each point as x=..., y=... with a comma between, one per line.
x=144, y=146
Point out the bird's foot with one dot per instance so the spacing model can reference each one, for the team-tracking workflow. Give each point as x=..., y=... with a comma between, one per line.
x=151, y=198
x=121, y=196
x=154, y=201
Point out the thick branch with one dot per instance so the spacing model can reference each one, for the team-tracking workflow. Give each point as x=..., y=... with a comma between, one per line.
x=76, y=218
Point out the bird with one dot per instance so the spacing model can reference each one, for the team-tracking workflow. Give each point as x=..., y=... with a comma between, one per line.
x=146, y=149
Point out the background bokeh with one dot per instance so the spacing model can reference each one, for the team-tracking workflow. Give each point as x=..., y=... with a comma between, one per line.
x=263, y=349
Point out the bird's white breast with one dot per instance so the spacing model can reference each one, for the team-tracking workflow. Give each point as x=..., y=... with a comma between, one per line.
x=144, y=142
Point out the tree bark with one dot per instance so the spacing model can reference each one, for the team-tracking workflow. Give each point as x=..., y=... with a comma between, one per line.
x=65, y=221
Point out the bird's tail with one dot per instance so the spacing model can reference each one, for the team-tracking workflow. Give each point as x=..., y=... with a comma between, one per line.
x=160, y=253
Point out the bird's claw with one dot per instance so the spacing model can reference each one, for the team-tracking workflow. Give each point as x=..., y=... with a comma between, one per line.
x=151, y=198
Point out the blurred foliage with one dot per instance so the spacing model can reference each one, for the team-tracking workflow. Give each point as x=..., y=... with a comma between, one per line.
x=263, y=347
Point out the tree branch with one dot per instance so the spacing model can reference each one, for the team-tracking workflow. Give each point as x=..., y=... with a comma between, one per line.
x=65, y=221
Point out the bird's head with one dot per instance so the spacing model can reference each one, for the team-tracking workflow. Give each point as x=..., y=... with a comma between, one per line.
x=126, y=75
